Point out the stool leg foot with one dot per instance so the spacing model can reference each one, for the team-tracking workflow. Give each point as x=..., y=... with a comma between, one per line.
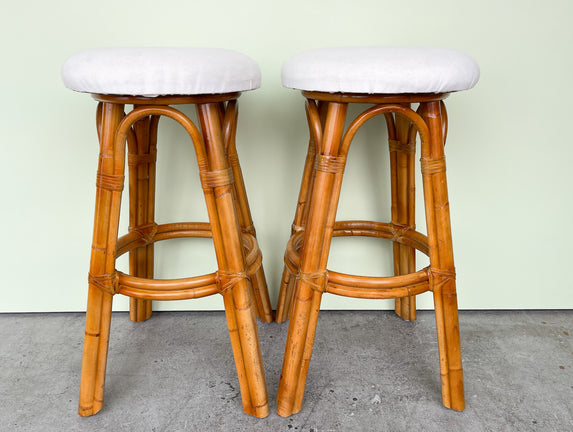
x=442, y=280
x=246, y=350
x=234, y=284
x=102, y=266
x=298, y=351
x=139, y=309
x=94, y=360
x=449, y=345
x=402, y=160
x=312, y=279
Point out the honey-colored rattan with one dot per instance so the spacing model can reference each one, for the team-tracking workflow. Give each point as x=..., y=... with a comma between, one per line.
x=305, y=276
x=239, y=279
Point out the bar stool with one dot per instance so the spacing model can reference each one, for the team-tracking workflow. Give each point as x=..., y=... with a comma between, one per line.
x=392, y=79
x=152, y=79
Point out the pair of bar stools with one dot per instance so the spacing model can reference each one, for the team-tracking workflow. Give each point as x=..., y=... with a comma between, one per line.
x=153, y=79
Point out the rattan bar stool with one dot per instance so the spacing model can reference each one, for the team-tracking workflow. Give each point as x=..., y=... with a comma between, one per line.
x=391, y=79
x=153, y=79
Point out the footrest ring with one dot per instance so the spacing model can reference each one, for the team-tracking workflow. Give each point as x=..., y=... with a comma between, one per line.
x=367, y=286
x=177, y=289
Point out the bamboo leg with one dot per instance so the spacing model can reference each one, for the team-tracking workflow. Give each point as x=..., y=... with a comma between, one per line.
x=442, y=280
x=102, y=265
x=142, y=151
x=263, y=304
x=312, y=277
x=402, y=155
x=288, y=281
x=224, y=221
x=287, y=289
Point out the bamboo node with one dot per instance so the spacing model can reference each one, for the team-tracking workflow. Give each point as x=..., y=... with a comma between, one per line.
x=433, y=165
x=316, y=280
x=92, y=334
x=146, y=232
x=142, y=159
x=108, y=283
x=111, y=182
x=216, y=178
x=439, y=277
x=330, y=164
x=227, y=279
x=399, y=146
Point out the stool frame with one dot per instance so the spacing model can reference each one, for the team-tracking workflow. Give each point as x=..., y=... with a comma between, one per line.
x=240, y=277
x=306, y=278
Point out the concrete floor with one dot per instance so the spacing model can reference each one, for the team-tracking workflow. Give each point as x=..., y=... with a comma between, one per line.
x=370, y=372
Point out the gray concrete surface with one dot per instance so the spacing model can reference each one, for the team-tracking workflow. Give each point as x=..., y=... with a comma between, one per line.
x=370, y=372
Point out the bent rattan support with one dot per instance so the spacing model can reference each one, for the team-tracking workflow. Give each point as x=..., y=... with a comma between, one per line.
x=402, y=146
x=308, y=248
x=142, y=155
x=236, y=249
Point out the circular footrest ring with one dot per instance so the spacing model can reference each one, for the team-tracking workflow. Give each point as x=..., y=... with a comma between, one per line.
x=366, y=286
x=177, y=289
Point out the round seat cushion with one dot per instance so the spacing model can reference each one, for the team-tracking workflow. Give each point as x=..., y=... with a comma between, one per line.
x=160, y=71
x=380, y=70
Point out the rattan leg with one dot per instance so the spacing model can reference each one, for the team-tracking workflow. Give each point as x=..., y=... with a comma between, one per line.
x=142, y=155
x=287, y=289
x=442, y=280
x=311, y=280
x=258, y=281
x=402, y=158
x=288, y=280
x=102, y=266
x=218, y=186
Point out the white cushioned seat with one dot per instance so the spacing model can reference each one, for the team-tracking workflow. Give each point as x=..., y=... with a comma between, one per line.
x=160, y=71
x=380, y=70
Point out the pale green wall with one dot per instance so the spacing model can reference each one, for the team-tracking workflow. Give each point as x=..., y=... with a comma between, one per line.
x=509, y=153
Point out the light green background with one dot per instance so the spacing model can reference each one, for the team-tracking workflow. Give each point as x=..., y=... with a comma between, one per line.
x=509, y=149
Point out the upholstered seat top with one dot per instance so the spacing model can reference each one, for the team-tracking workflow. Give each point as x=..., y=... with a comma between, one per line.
x=160, y=71
x=380, y=70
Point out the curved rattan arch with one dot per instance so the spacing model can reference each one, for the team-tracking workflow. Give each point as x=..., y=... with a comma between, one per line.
x=374, y=111
x=144, y=111
x=230, y=124
x=314, y=123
